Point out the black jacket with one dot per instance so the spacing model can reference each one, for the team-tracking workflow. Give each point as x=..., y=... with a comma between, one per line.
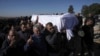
x=53, y=42
x=24, y=35
x=15, y=50
x=88, y=38
x=37, y=48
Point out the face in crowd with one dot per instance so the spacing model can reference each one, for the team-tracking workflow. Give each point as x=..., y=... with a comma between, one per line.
x=12, y=35
x=36, y=30
x=28, y=26
x=50, y=27
x=89, y=22
x=23, y=27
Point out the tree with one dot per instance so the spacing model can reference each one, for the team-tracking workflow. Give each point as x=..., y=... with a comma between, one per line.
x=85, y=10
x=93, y=8
x=71, y=9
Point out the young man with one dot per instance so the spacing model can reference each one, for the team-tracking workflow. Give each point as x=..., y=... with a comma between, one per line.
x=88, y=38
x=23, y=32
x=52, y=39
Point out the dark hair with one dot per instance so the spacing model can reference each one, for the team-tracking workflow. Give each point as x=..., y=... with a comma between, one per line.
x=15, y=34
x=87, y=19
x=24, y=23
x=49, y=23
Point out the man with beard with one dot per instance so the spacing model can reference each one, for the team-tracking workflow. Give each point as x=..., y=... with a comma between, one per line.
x=52, y=39
x=12, y=45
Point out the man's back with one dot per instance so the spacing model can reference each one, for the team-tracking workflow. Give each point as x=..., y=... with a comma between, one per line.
x=69, y=21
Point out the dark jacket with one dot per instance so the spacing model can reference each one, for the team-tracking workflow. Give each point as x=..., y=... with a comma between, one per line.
x=2, y=38
x=93, y=19
x=15, y=50
x=38, y=48
x=53, y=41
x=24, y=35
x=80, y=21
x=88, y=38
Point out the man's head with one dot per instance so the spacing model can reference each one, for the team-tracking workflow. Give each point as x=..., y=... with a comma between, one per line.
x=71, y=9
x=12, y=27
x=12, y=35
x=28, y=25
x=89, y=22
x=23, y=27
x=90, y=15
x=36, y=30
x=78, y=14
x=49, y=27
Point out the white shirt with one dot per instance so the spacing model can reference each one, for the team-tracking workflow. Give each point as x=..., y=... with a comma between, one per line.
x=68, y=22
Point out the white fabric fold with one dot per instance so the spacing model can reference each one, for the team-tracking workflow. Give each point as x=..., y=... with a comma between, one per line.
x=69, y=34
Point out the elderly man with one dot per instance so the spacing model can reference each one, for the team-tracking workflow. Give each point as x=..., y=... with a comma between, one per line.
x=68, y=24
x=35, y=45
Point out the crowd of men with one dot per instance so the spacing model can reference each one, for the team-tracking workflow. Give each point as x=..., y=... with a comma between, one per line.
x=33, y=39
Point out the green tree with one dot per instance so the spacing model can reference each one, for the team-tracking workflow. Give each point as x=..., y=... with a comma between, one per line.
x=85, y=10
x=93, y=8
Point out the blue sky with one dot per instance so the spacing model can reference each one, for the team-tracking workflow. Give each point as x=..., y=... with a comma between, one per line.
x=28, y=7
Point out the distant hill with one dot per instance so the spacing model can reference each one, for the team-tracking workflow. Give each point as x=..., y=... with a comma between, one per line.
x=1, y=17
x=6, y=17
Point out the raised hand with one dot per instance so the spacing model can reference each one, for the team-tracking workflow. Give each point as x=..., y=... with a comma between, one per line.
x=12, y=41
x=30, y=41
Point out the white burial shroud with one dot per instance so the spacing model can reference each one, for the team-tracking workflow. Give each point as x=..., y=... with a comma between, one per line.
x=56, y=20
x=44, y=19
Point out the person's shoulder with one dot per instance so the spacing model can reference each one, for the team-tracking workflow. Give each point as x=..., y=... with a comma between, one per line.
x=63, y=16
x=33, y=35
x=65, y=13
x=58, y=32
x=6, y=41
x=84, y=27
x=19, y=32
x=44, y=30
x=3, y=35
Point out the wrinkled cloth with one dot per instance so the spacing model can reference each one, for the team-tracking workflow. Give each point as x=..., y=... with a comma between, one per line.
x=68, y=22
x=44, y=19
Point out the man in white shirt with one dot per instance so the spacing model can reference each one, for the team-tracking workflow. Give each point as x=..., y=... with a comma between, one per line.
x=68, y=23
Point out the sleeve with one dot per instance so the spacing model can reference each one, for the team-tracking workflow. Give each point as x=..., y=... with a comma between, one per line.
x=26, y=47
x=5, y=47
x=76, y=21
x=62, y=23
